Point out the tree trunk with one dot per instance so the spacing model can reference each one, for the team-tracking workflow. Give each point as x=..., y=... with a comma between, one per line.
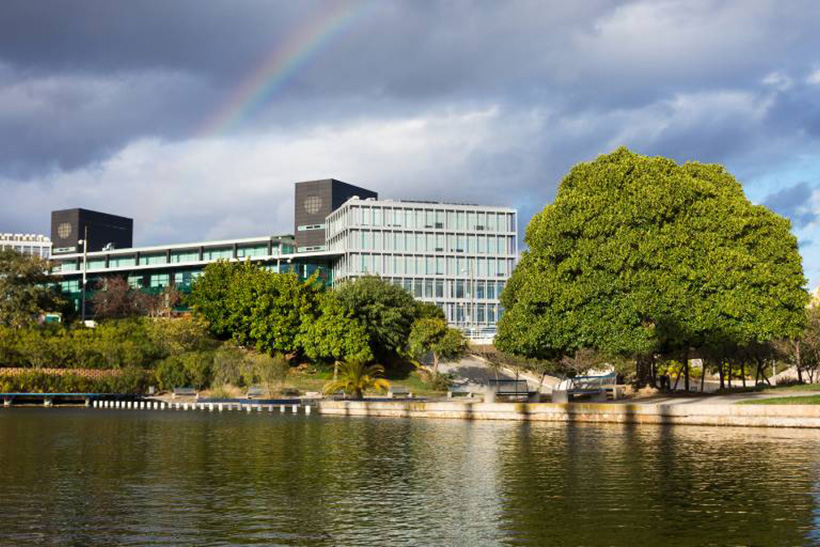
x=703, y=374
x=798, y=361
x=743, y=372
x=761, y=364
x=729, y=373
x=435, y=364
x=686, y=369
x=357, y=394
x=720, y=373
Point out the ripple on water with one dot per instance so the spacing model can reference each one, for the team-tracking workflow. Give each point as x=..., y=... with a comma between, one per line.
x=90, y=477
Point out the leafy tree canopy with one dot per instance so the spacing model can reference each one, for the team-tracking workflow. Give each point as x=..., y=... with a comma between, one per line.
x=25, y=292
x=385, y=311
x=641, y=255
x=334, y=334
x=254, y=306
x=433, y=336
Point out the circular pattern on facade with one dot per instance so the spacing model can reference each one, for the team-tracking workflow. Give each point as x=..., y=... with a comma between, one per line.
x=313, y=204
x=64, y=230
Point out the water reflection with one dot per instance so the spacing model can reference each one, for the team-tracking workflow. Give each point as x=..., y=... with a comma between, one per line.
x=93, y=477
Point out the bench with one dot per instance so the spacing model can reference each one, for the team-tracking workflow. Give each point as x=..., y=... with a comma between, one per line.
x=184, y=392
x=510, y=388
x=399, y=391
x=595, y=388
x=255, y=392
x=459, y=391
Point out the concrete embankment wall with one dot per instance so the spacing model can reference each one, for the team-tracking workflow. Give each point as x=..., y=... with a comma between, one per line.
x=802, y=416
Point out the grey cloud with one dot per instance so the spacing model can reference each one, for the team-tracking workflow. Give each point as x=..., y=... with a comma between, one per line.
x=794, y=202
x=82, y=80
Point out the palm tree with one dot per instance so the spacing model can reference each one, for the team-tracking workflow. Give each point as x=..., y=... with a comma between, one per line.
x=356, y=377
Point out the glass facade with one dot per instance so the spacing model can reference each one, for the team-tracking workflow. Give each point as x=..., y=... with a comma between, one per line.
x=457, y=256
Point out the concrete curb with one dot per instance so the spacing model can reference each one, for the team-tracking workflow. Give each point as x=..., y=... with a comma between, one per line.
x=799, y=416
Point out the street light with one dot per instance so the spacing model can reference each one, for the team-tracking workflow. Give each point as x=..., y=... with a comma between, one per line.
x=84, y=242
x=470, y=296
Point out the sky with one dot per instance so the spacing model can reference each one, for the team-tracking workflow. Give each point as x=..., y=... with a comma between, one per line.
x=195, y=118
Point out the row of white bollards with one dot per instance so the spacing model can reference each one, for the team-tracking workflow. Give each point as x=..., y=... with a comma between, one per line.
x=220, y=407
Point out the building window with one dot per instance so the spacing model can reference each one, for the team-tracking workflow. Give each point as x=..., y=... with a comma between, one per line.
x=190, y=255
x=256, y=250
x=121, y=261
x=439, y=288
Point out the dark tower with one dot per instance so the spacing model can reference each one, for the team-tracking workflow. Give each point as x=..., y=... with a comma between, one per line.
x=315, y=200
x=69, y=226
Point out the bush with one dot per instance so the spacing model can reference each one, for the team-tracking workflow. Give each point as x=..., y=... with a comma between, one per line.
x=189, y=369
x=171, y=373
x=129, y=381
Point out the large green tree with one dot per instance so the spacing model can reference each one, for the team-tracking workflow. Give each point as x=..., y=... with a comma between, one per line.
x=25, y=289
x=210, y=295
x=334, y=334
x=385, y=311
x=640, y=256
x=433, y=336
x=254, y=306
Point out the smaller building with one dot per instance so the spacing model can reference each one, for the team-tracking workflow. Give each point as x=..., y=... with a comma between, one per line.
x=27, y=244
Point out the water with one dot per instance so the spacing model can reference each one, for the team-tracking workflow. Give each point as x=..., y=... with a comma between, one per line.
x=100, y=477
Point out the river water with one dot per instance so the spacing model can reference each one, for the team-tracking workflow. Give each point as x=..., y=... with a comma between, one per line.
x=106, y=477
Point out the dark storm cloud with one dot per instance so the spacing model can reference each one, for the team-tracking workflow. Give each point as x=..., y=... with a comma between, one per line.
x=794, y=203
x=82, y=81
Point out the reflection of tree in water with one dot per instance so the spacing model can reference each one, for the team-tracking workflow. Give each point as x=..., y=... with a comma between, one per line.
x=659, y=485
x=97, y=477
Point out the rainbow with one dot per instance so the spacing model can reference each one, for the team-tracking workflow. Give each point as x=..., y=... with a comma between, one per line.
x=278, y=68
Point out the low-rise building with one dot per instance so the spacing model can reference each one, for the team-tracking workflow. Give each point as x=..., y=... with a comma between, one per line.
x=27, y=244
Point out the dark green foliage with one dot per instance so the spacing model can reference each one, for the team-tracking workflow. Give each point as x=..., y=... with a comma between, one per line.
x=334, y=334
x=385, y=311
x=254, y=306
x=25, y=290
x=136, y=342
x=192, y=369
x=130, y=380
x=209, y=296
x=640, y=256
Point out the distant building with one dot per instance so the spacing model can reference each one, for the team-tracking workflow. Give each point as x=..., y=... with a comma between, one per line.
x=28, y=244
x=454, y=255
x=105, y=231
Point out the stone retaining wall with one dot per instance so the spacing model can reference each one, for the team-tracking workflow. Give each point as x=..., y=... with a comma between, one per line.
x=802, y=416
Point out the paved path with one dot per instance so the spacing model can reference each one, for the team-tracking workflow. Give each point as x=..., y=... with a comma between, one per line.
x=728, y=399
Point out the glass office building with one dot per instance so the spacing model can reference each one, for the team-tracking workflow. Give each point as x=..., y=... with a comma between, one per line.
x=457, y=256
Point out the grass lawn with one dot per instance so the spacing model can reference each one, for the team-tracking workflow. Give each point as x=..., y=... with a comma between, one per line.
x=804, y=400
x=795, y=387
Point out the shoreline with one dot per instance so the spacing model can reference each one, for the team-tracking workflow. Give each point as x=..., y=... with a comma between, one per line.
x=787, y=416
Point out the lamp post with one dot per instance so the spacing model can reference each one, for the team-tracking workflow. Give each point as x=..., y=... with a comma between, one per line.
x=84, y=243
x=470, y=296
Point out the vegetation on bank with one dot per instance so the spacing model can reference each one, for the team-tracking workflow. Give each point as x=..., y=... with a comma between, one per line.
x=249, y=326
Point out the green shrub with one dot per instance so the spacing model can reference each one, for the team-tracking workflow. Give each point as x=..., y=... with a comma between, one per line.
x=198, y=365
x=130, y=381
x=171, y=373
